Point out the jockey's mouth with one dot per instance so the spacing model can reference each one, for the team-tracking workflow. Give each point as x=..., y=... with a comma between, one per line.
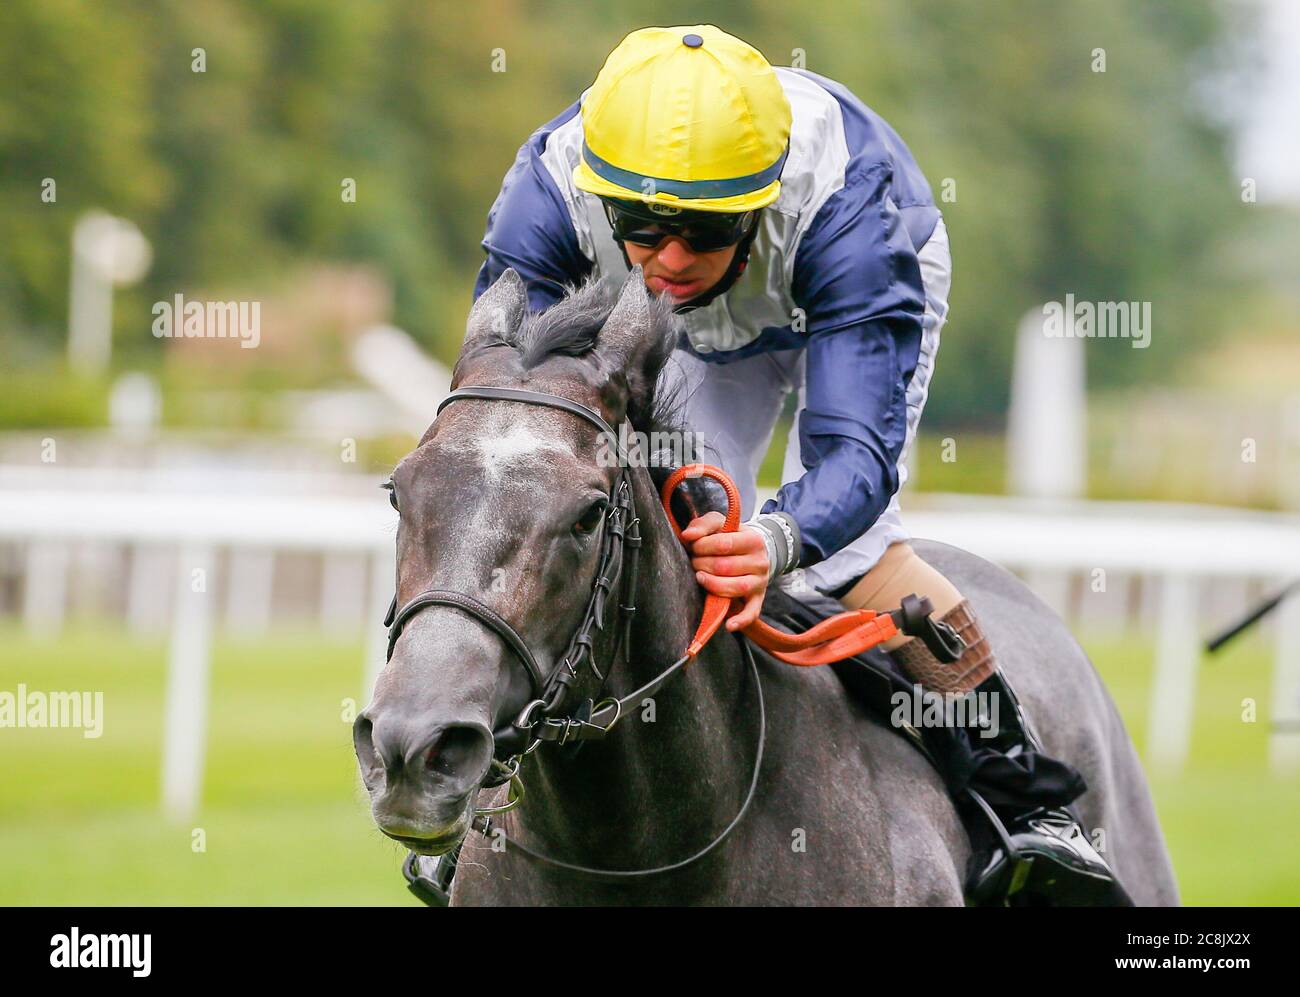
x=679, y=290
x=685, y=276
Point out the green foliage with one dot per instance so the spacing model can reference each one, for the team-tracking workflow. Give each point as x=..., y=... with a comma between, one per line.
x=38, y=398
x=1113, y=185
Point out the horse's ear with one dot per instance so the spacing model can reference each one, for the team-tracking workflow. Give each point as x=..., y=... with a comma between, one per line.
x=630, y=341
x=497, y=312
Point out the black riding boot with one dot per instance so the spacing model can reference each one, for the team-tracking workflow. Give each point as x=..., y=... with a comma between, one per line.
x=1029, y=848
x=1038, y=855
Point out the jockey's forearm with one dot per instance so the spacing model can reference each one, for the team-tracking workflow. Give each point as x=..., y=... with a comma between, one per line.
x=838, y=500
x=851, y=432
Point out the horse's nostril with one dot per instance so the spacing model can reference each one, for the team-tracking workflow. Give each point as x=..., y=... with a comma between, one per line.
x=454, y=750
x=363, y=742
x=434, y=750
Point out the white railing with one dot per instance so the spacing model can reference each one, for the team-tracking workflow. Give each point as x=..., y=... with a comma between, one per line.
x=1179, y=546
x=49, y=523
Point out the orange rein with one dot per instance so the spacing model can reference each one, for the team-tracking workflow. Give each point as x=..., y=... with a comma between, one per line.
x=833, y=639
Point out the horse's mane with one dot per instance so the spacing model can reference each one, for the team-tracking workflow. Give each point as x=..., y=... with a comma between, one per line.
x=569, y=328
x=656, y=405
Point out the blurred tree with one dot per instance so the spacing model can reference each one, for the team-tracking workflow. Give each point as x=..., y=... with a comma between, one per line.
x=75, y=108
x=1112, y=185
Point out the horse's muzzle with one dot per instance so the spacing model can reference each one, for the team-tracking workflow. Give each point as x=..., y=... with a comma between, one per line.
x=421, y=785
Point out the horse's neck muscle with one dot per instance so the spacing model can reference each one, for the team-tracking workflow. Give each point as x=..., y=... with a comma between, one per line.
x=672, y=772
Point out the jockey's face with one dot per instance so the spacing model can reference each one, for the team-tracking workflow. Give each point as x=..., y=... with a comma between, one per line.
x=674, y=268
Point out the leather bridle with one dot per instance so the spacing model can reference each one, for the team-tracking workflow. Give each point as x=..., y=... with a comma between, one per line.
x=616, y=575
x=542, y=719
x=833, y=639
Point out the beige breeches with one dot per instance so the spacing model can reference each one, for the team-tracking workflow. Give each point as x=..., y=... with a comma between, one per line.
x=901, y=572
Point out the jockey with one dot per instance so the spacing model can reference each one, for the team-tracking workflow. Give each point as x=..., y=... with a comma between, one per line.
x=802, y=246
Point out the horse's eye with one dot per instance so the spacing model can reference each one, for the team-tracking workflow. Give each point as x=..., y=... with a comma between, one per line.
x=590, y=519
x=392, y=494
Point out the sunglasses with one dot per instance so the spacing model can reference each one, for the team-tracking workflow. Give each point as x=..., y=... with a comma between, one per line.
x=703, y=231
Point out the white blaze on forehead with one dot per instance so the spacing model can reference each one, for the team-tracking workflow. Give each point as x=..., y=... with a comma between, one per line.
x=503, y=445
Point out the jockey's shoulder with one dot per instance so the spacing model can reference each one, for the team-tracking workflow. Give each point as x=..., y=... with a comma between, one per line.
x=837, y=140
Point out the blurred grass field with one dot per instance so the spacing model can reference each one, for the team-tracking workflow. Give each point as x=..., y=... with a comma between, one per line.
x=285, y=821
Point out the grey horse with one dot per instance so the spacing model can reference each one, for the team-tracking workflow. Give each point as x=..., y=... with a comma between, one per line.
x=493, y=504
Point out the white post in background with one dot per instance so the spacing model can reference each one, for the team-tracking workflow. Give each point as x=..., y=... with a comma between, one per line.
x=149, y=588
x=46, y=593
x=344, y=574
x=135, y=405
x=249, y=590
x=1284, y=738
x=185, y=721
x=1047, y=431
x=395, y=365
x=106, y=251
x=1173, y=693
x=1047, y=422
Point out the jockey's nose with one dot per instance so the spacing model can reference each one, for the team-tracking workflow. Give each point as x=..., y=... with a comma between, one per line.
x=675, y=255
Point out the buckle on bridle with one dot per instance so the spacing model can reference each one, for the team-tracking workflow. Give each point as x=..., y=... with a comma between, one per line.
x=618, y=712
x=525, y=719
x=562, y=730
x=567, y=727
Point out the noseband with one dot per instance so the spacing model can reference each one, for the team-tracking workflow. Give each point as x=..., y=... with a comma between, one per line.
x=616, y=570
x=541, y=719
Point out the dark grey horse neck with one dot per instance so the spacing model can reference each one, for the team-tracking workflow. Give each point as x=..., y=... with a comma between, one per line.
x=675, y=769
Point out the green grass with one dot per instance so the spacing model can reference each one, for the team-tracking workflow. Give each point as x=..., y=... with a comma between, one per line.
x=285, y=822
x=283, y=819
x=1229, y=822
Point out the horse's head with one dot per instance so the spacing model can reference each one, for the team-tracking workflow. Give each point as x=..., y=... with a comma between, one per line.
x=502, y=502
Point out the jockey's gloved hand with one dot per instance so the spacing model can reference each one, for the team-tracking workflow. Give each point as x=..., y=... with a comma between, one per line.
x=730, y=564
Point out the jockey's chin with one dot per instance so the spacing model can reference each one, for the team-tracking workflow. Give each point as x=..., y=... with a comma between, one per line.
x=673, y=268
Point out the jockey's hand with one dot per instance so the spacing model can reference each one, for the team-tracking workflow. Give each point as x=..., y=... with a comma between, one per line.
x=730, y=564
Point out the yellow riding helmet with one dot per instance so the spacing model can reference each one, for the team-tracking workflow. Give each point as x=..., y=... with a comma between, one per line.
x=689, y=118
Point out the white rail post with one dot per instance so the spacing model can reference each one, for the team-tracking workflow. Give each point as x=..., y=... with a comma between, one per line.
x=45, y=595
x=1046, y=421
x=149, y=585
x=1173, y=693
x=1284, y=737
x=185, y=721
x=344, y=574
x=250, y=590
